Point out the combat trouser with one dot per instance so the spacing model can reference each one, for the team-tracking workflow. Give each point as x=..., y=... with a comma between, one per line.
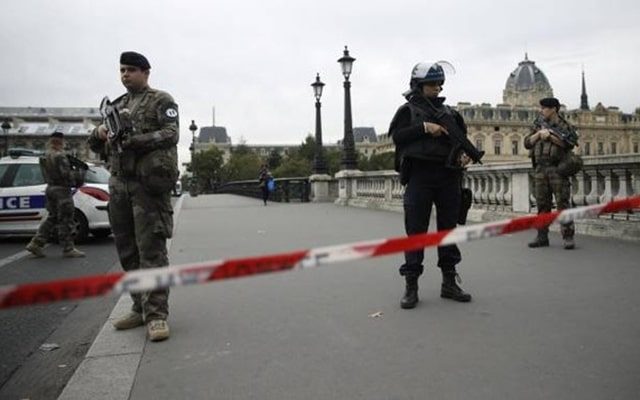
x=431, y=184
x=548, y=183
x=141, y=224
x=60, y=208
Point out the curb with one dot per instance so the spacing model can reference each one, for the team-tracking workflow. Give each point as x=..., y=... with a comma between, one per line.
x=109, y=368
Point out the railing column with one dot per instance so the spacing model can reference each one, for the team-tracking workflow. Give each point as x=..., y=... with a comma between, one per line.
x=593, y=198
x=521, y=191
x=579, y=195
x=624, y=189
x=607, y=196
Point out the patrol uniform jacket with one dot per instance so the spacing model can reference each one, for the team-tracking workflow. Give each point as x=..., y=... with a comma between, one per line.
x=154, y=116
x=546, y=152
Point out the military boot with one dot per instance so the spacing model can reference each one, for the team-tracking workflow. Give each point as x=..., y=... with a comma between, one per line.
x=73, y=253
x=542, y=240
x=569, y=244
x=568, y=230
x=410, y=298
x=157, y=330
x=450, y=288
x=35, y=249
x=129, y=321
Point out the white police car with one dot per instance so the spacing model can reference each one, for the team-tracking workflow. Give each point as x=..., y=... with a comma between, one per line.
x=22, y=198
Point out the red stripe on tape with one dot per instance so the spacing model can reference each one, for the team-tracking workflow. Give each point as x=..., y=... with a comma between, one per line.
x=69, y=289
x=257, y=265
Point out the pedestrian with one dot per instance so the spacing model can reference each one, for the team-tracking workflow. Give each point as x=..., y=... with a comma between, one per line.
x=423, y=157
x=143, y=172
x=61, y=178
x=266, y=182
x=549, y=142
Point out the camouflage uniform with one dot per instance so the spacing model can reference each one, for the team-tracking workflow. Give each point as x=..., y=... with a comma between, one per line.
x=60, y=179
x=548, y=182
x=140, y=213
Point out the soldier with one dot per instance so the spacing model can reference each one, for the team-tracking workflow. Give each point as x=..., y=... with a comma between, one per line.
x=423, y=154
x=549, y=143
x=144, y=170
x=60, y=178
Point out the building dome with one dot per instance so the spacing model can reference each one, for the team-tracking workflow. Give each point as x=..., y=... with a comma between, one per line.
x=526, y=85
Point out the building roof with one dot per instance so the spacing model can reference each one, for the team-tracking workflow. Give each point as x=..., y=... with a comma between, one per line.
x=215, y=134
x=527, y=76
x=50, y=112
x=362, y=134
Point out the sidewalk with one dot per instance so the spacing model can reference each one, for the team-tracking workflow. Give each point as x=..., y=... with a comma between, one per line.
x=543, y=324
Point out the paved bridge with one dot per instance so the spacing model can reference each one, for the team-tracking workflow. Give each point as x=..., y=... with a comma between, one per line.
x=544, y=324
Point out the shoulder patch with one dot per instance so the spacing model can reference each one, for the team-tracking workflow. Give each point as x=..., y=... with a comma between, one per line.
x=169, y=111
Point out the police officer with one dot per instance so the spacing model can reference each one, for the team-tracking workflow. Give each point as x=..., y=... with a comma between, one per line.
x=144, y=169
x=547, y=150
x=60, y=179
x=423, y=149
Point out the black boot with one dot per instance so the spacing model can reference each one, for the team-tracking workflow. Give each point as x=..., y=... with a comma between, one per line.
x=450, y=288
x=410, y=298
x=542, y=240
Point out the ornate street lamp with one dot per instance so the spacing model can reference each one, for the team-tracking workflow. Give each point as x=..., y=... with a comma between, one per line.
x=319, y=163
x=193, y=128
x=5, y=130
x=349, y=160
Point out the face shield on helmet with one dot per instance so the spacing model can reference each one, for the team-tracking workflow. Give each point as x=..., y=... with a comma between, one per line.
x=430, y=72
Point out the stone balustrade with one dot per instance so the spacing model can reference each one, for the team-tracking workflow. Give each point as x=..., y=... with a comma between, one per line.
x=502, y=189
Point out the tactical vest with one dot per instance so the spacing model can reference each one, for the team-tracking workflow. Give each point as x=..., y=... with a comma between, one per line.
x=430, y=148
x=52, y=170
x=156, y=170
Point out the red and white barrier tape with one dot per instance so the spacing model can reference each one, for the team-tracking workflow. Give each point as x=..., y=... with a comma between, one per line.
x=151, y=279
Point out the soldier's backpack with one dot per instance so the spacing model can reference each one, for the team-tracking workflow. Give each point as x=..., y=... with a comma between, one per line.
x=570, y=165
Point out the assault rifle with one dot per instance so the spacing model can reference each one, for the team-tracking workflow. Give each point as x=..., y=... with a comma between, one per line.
x=445, y=118
x=77, y=164
x=567, y=136
x=119, y=125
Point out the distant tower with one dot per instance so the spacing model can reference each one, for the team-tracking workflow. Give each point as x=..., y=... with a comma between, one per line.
x=584, y=103
x=213, y=113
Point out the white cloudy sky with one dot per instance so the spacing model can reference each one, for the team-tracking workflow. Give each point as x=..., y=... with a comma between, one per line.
x=255, y=59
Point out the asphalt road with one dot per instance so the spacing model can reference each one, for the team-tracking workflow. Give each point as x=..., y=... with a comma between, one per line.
x=26, y=372
x=544, y=323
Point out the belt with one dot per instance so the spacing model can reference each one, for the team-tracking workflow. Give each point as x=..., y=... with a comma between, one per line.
x=546, y=163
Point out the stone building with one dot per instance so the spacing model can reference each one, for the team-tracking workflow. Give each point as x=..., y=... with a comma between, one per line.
x=500, y=130
x=30, y=127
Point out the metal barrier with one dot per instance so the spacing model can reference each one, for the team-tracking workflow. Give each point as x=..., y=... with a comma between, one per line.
x=287, y=189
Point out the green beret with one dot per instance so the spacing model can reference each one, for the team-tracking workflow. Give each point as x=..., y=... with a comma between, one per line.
x=135, y=59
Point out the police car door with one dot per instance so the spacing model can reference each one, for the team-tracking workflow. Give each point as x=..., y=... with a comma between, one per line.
x=22, y=198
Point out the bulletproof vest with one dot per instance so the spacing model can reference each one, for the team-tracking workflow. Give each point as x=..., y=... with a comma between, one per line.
x=53, y=171
x=157, y=170
x=547, y=152
x=429, y=148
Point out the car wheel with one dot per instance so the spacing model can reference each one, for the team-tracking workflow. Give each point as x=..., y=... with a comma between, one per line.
x=101, y=233
x=81, y=226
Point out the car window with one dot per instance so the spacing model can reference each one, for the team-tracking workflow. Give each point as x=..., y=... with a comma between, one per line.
x=97, y=175
x=28, y=175
x=3, y=170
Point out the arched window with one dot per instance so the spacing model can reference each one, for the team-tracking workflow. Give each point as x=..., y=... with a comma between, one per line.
x=479, y=142
x=497, y=144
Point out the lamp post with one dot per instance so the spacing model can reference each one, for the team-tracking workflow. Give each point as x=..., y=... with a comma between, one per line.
x=349, y=160
x=193, y=128
x=319, y=163
x=5, y=130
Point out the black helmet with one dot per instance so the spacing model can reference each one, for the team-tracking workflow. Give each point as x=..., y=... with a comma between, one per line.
x=429, y=72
